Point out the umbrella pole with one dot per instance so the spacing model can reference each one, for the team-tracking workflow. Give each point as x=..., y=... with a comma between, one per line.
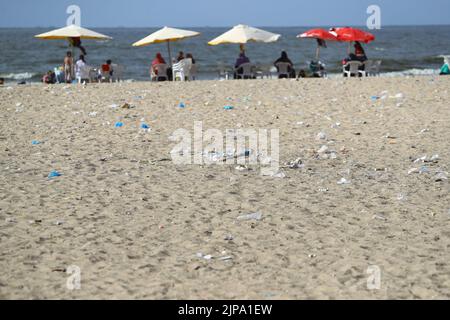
x=318, y=53
x=170, y=55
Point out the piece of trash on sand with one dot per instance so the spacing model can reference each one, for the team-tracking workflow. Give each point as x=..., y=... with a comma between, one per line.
x=202, y=256
x=181, y=105
x=323, y=149
x=241, y=168
x=252, y=216
x=118, y=125
x=421, y=159
x=145, y=126
x=441, y=176
x=228, y=238
x=35, y=142
x=10, y=220
x=379, y=217
x=272, y=172
x=127, y=106
x=58, y=223
x=226, y=258
x=92, y=114
x=54, y=174
x=321, y=136
x=401, y=197
x=343, y=181
x=296, y=164
x=228, y=108
x=114, y=106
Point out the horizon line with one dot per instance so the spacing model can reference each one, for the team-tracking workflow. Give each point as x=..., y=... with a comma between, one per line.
x=227, y=26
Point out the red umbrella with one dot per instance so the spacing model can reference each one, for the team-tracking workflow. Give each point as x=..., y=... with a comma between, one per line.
x=320, y=35
x=352, y=34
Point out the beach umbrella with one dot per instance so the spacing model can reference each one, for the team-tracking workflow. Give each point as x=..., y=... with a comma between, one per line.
x=242, y=34
x=320, y=35
x=167, y=35
x=348, y=34
x=72, y=31
x=74, y=34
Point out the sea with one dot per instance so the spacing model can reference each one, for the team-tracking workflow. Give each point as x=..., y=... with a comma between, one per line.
x=404, y=50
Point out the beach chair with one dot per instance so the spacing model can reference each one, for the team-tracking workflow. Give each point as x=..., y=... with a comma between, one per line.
x=374, y=69
x=247, y=69
x=161, y=72
x=317, y=69
x=353, y=69
x=223, y=71
x=181, y=70
x=283, y=69
x=83, y=74
x=118, y=71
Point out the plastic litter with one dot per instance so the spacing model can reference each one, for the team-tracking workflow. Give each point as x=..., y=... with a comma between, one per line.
x=118, y=125
x=343, y=181
x=181, y=105
x=272, y=172
x=145, y=126
x=296, y=164
x=54, y=174
x=252, y=216
x=228, y=108
x=35, y=142
x=321, y=136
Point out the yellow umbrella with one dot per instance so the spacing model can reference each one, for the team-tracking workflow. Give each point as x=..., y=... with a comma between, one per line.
x=168, y=35
x=72, y=31
x=242, y=34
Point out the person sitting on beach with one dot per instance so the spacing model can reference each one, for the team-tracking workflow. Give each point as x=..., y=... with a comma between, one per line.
x=2, y=81
x=360, y=54
x=180, y=56
x=285, y=59
x=68, y=67
x=49, y=78
x=107, y=70
x=82, y=70
x=158, y=60
x=445, y=70
x=239, y=62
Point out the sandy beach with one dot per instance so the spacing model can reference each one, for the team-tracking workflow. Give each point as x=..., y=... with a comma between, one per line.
x=141, y=227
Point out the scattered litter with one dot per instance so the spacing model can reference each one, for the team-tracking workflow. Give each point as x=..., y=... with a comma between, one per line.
x=323, y=149
x=441, y=176
x=226, y=258
x=273, y=172
x=252, y=216
x=296, y=164
x=181, y=105
x=228, y=108
x=343, y=181
x=118, y=125
x=228, y=238
x=145, y=126
x=421, y=159
x=58, y=223
x=323, y=190
x=401, y=197
x=126, y=106
x=321, y=136
x=92, y=114
x=374, y=98
x=35, y=142
x=114, y=106
x=54, y=174
x=379, y=217
x=10, y=220
x=423, y=169
x=336, y=125
x=206, y=257
x=241, y=168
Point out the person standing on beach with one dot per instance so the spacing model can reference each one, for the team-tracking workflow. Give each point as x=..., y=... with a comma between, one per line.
x=68, y=67
x=82, y=70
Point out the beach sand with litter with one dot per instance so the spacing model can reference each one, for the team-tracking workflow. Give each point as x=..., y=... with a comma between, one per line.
x=141, y=227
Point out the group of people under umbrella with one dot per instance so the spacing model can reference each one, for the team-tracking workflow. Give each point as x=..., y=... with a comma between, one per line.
x=240, y=34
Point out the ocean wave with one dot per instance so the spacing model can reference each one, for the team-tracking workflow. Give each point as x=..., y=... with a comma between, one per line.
x=18, y=76
x=412, y=72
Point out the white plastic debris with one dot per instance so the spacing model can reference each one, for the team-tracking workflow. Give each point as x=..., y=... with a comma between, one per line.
x=252, y=216
x=272, y=172
x=296, y=164
x=321, y=136
x=421, y=159
x=343, y=181
x=323, y=149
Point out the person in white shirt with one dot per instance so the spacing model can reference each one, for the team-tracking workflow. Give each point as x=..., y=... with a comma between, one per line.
x=82, y=70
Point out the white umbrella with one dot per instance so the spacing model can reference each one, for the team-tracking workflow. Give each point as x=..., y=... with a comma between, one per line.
x=168, y=35
x=72, y=31
x=242, y=34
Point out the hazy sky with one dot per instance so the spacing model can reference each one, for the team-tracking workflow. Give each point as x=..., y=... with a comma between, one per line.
x=196, y=13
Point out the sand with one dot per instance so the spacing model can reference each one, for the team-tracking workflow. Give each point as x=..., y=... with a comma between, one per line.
x=135, y=223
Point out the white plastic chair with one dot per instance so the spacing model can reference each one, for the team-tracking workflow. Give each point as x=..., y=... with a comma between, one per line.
x=374, y=69
x=283, y=69
x=161, y=72
x=353, y=68
x=246, y=71
x=181, y=70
